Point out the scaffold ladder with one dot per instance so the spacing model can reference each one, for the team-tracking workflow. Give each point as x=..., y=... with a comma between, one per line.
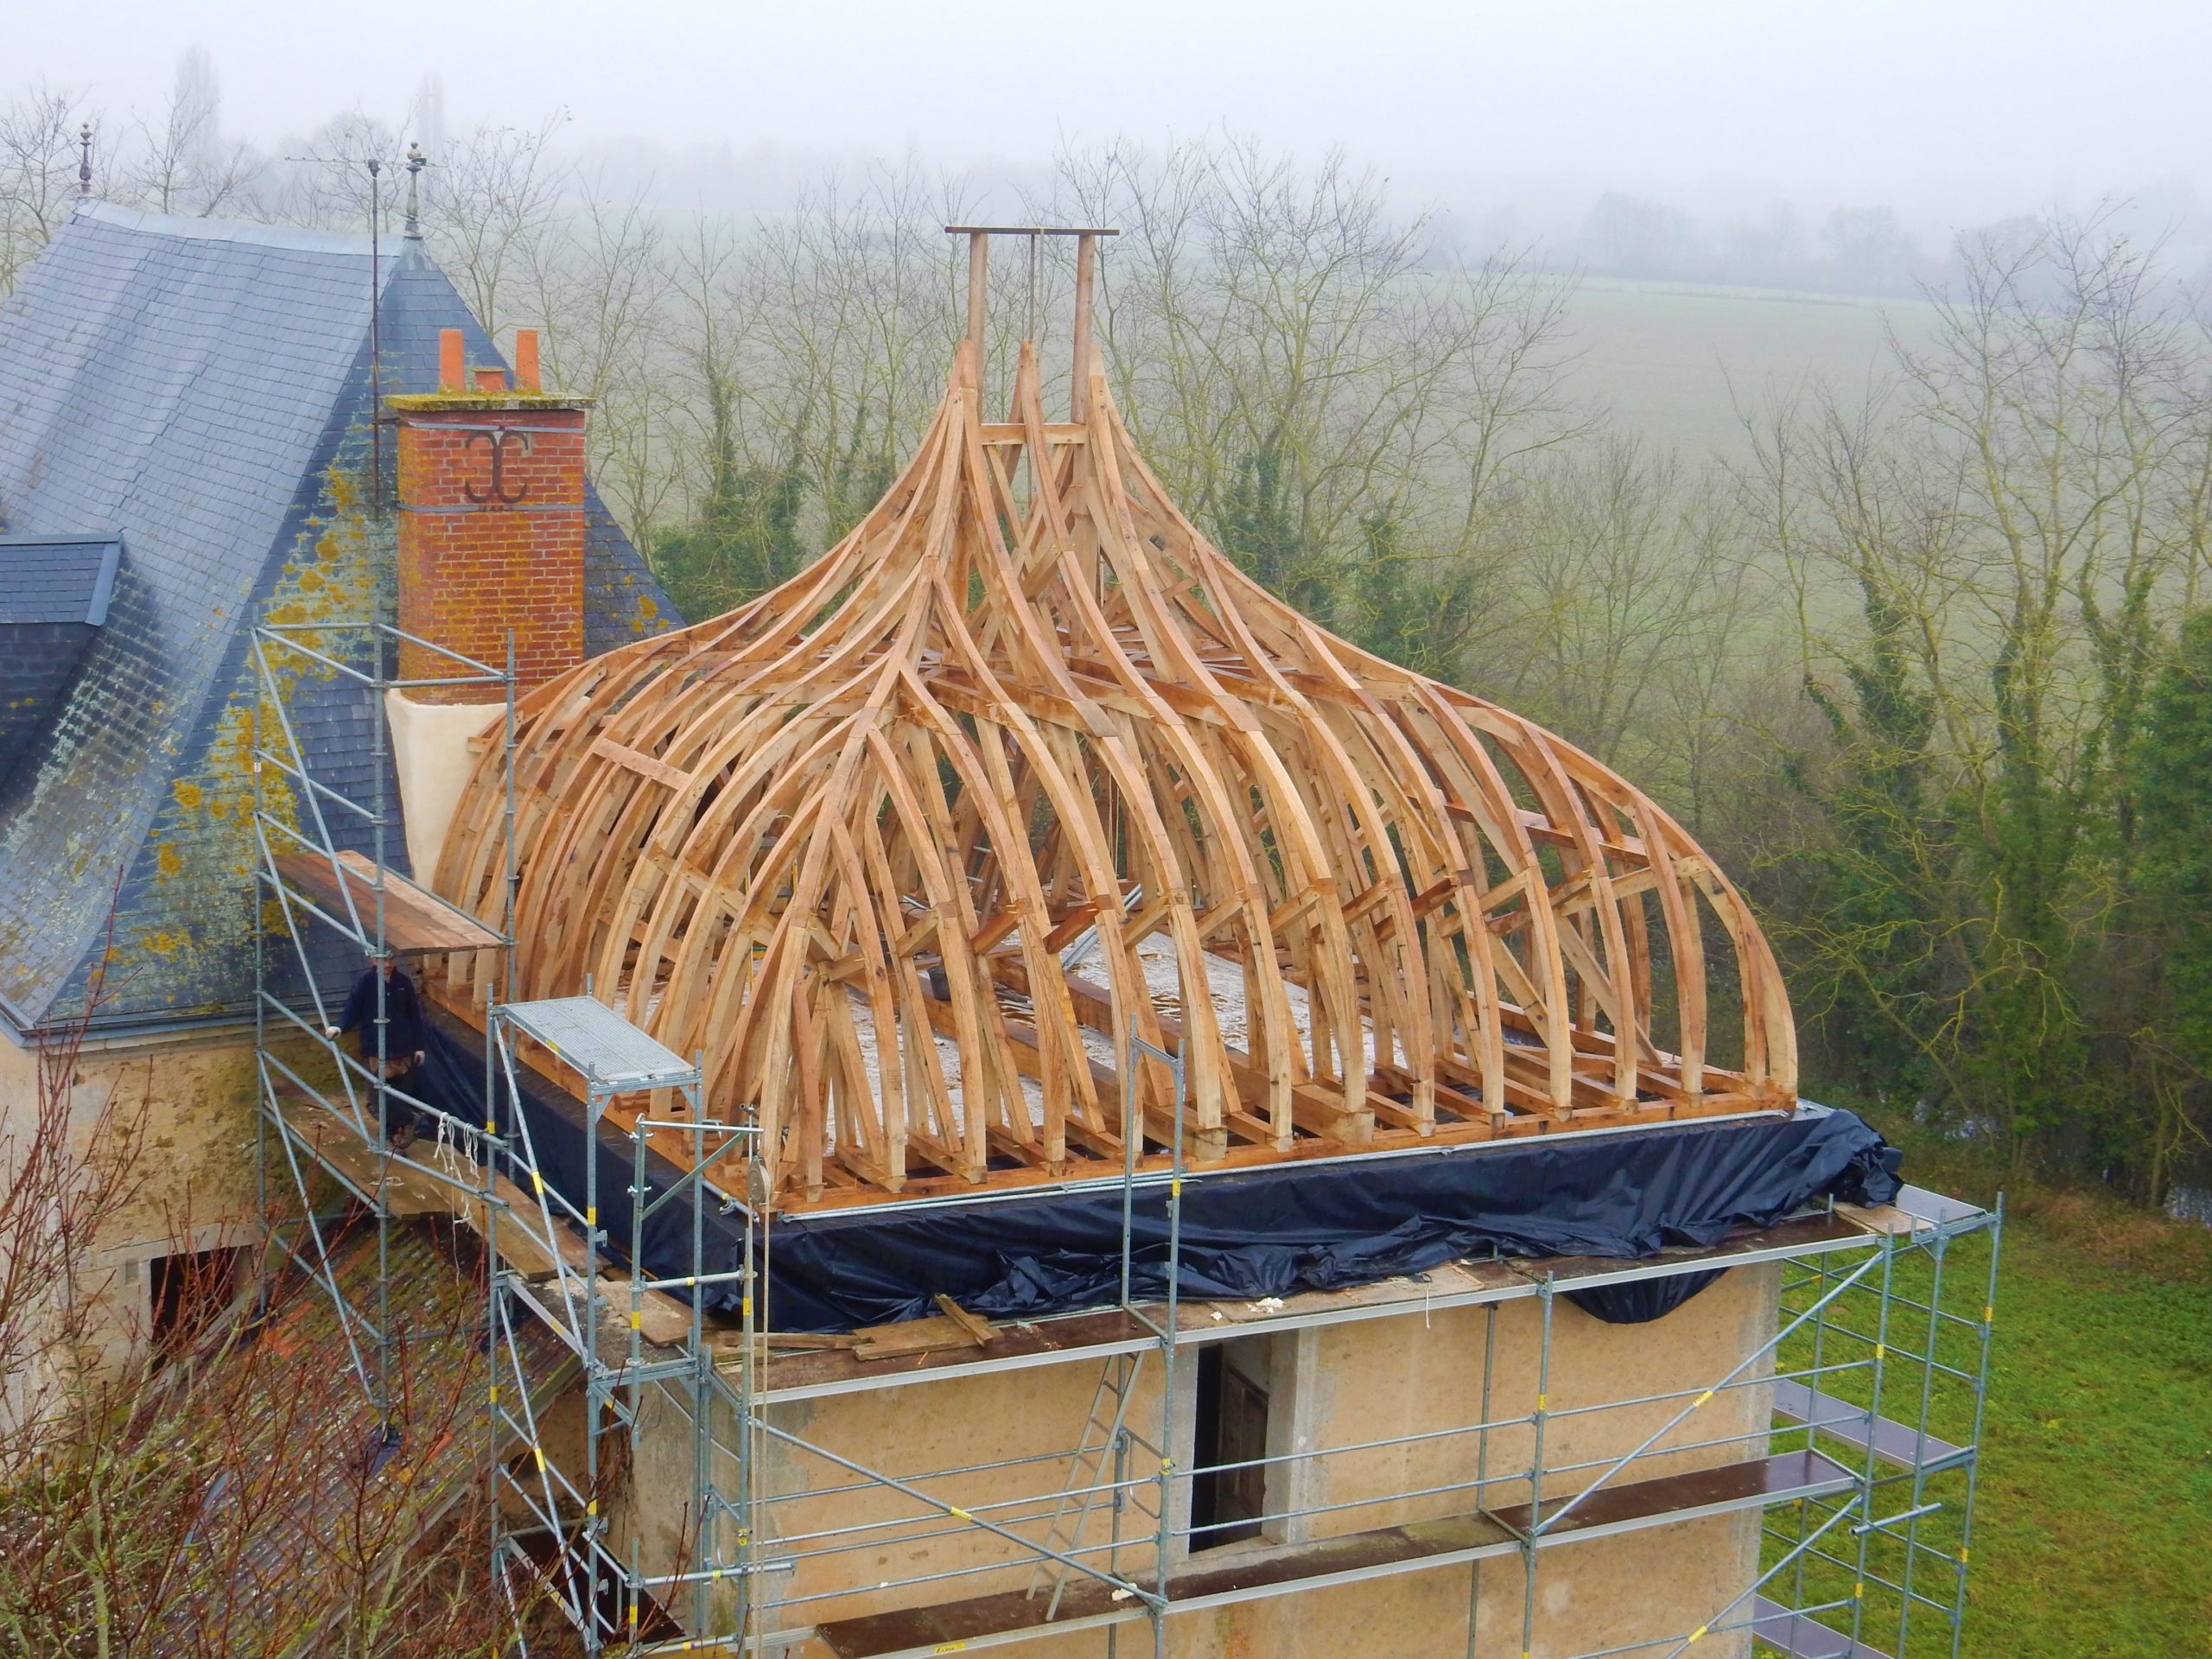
x=1105, y=1436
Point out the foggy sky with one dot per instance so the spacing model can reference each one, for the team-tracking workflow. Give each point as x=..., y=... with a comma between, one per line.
x=1957, y=108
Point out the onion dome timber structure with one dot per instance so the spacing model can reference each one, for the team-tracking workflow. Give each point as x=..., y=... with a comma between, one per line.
x=908, y=847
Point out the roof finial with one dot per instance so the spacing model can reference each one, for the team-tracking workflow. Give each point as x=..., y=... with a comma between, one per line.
x=416, y=161
x=85, y=159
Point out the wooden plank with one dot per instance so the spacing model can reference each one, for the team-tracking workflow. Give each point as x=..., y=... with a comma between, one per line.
x=334, y=1141
x=415, y=918
x=980, y=1330
x=639, y=762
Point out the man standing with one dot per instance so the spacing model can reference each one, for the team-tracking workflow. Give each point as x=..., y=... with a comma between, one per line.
x=395, y=1051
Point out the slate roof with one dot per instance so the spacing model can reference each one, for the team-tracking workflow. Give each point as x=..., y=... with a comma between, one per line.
x=200, y=391
x=57, y=578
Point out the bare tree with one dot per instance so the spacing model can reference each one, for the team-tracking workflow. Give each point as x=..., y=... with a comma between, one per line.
x=491, y=203
x=1302, y=367
x=39, y=152
x=184, y=164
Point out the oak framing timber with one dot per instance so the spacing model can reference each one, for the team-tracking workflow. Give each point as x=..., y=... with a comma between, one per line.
x=834, y=841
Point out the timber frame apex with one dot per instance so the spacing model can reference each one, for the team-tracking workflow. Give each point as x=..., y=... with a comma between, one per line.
x=913, y=849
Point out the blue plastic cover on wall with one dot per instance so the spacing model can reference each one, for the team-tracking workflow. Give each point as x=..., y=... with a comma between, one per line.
x=1246, y=1234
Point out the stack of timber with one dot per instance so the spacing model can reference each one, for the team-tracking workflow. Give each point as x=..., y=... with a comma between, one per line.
x=909, y=846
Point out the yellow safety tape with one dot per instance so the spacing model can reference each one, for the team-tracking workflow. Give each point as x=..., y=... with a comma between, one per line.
x=591, y=1216
x=958, y=1514
x=637, y=1319
x=1540, y=1402
x=1175, y=1187
x=537, y=1182
x=591, y=1506
x=949, y=1647
x=748, y=1305
x=1702, y=1399
x=1697, y=1632
x=1988, y=1315
x=1962, y=1557
x=495, y=1393
x=1880, y=1349
x=539, y=1452
x=1859, y=1590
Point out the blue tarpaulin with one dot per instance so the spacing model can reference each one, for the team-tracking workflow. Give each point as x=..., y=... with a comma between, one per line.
x=1246, y=1234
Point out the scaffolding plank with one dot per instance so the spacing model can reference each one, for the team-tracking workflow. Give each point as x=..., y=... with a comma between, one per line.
x=415, y=918
x=522, y=1242
x=1753, y=1483
x=983, y=1620
x=1894, y=1443
x=584, y=1034
x=978, y=1620
x=1800, y=1635
x=334, y=1142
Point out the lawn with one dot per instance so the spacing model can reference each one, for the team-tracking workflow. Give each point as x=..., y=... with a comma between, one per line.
x=2093, y=1521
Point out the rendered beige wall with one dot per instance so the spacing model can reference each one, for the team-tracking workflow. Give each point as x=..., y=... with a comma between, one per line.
x=1331, y=1387
x=184, y=1111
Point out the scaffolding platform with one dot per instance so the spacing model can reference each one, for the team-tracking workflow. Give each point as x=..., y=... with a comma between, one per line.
x=1898, y=1445
x=984, y=1620
x=378, y=1181
x=1753, y=1483
x=1205, y=1583
x=416, y=920
x=1800, y=1635
x=612, y=1055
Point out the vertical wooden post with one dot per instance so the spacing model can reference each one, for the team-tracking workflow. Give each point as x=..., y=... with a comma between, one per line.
x=978, y=278
x=1086, y=259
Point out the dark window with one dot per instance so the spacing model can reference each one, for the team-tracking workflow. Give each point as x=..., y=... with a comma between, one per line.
x=190, y=1289
x=1227, y=1502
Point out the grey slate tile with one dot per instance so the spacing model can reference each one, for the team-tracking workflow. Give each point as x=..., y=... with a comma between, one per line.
x=194, y=388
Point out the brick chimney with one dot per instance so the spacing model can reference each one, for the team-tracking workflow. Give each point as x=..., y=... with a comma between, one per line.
x=491, y=522
x=491, y=539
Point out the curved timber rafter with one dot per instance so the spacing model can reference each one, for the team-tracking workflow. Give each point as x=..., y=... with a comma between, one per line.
x=907, y=846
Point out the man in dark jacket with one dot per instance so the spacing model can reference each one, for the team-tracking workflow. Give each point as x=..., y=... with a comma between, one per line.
x=395, y=1051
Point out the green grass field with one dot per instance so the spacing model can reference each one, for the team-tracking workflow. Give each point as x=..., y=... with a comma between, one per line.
x=2094, y=1517
x=1673, y=362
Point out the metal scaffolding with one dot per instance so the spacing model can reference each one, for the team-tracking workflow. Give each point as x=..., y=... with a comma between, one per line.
x=604, y=1595
x=1882, y=1340
x=1841, y=1485
x=326, y=891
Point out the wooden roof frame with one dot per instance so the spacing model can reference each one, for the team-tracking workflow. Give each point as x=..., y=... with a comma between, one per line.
x=1024, y=698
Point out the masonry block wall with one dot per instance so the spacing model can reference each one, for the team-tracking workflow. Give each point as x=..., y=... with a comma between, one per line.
x=491, y=533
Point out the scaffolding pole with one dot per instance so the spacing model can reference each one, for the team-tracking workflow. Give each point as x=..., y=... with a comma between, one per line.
x=1849, y=1552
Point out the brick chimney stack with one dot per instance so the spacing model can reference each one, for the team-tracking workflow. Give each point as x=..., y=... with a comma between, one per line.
x=491, y=522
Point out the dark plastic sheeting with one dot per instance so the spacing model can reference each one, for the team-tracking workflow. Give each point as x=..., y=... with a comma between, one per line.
x=1245, y=1235
x=455, y=1063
